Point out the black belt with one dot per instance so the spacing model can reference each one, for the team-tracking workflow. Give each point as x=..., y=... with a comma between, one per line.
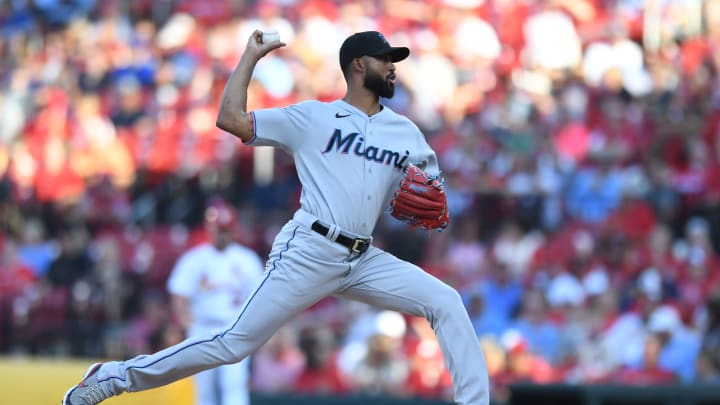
x=356, y=245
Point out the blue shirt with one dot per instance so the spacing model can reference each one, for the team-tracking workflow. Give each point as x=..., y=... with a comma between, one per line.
x=543, y=339
x=502, y=300
x=680, y=354
x=592, y=195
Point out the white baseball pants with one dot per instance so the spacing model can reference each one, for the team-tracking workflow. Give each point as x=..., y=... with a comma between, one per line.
x=303, y=268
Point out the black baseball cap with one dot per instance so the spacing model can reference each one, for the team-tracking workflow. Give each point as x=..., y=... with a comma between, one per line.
x=369, y=43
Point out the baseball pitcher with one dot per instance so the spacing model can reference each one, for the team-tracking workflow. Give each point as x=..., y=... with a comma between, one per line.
x=356, y=159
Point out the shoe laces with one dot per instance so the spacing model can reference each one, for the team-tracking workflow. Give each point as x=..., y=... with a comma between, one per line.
x=94, y=395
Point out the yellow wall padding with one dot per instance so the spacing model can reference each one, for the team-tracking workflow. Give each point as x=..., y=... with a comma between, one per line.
x=25, y=381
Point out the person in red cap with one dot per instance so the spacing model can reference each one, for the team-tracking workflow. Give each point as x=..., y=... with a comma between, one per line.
x=208, y=286
x=220, y=222
x=352, y=156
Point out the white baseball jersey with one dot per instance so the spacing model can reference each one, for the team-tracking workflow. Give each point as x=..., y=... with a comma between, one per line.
x=339, y=149
x=217, y=283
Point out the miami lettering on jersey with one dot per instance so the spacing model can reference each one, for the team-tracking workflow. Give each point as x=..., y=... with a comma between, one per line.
x=353, y=141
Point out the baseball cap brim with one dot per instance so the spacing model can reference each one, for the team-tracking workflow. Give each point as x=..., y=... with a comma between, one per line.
x=397, y=53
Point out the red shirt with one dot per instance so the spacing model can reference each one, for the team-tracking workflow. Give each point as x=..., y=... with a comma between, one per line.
x=645, y=377
x=326, y=380
x=14, y=278
x=634, y=219
x=60, y=185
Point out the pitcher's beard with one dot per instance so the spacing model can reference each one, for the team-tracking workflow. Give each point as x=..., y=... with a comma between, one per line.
x=380, y=86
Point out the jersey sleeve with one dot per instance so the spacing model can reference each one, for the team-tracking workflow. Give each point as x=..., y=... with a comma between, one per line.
x=183, y=278
x=427, y=159
x=281, y=127
x=431, y=163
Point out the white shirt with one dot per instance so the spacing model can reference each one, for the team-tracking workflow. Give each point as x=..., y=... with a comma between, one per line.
x=349, y=164
x=217, y=283
x=552, y=40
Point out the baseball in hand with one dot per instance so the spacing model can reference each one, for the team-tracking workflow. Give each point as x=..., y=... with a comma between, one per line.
x=270, y=36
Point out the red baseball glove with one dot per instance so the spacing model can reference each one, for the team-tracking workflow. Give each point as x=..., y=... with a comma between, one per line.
x=420, y=200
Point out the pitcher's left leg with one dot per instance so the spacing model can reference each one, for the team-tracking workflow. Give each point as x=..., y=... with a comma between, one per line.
x=383, y=280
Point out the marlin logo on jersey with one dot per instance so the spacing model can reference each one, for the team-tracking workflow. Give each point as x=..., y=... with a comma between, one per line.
x=353, y=141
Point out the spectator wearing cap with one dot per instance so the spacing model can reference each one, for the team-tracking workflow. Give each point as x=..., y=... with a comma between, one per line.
x=567, y=296
x=382, y=368
x=592, y=362
x=523, y=364
x=367, y=322
x=678, y=345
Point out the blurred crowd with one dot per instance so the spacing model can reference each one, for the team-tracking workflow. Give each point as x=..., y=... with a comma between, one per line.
x=580, y=143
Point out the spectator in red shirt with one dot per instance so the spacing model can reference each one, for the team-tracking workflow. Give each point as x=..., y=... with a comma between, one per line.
x=57, y=180
x=634, y=218
x=522, y=364
x=650, y=372
x=320, y=374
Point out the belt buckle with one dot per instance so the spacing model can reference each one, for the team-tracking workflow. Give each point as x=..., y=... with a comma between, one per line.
x=357, y=246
